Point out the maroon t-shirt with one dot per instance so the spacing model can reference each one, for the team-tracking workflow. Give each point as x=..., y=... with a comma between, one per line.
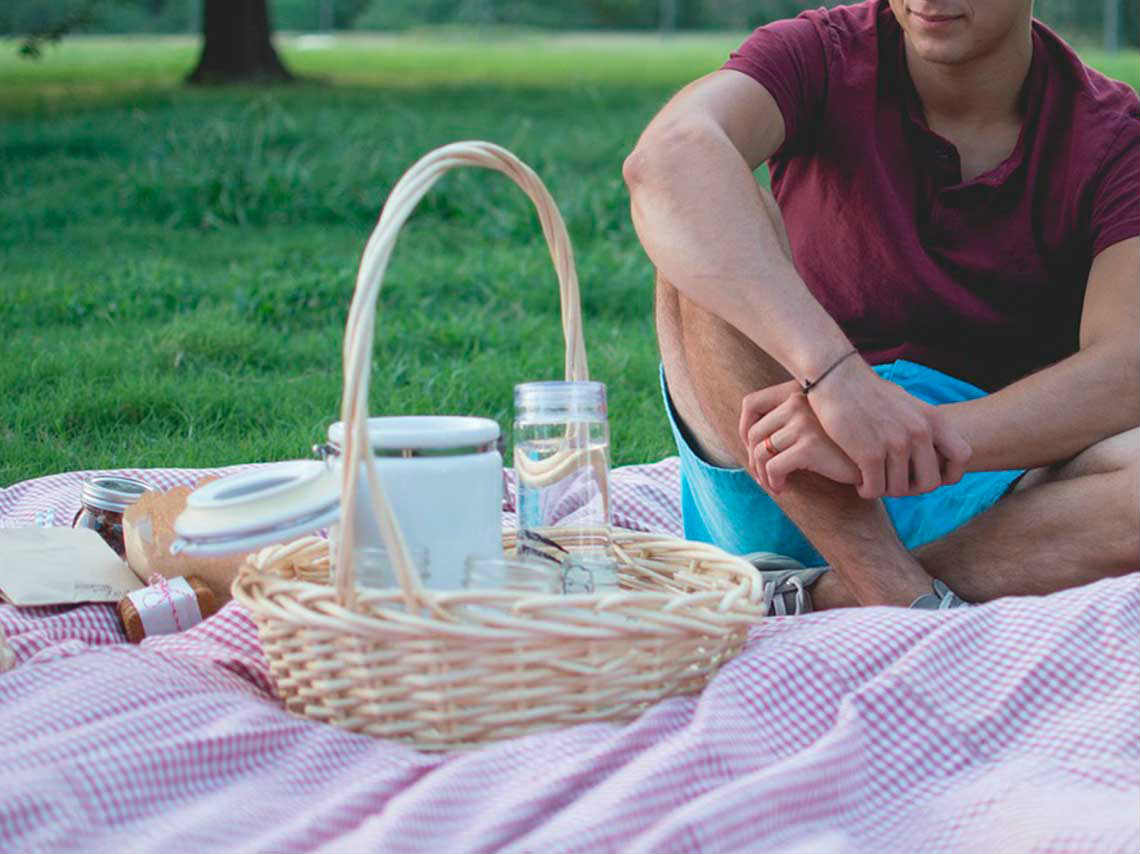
x=981, y=279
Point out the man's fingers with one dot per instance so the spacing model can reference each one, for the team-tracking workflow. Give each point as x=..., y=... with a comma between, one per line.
x=952, y=470
x=759, y=403
x=924, y=469
x=751, y=410
x=898, y=471
x=874, y=478
x=955, y=453
x=768, y=425
x=842, y=470
x=780, y=439
x=783, y=464
x=749, y=415
x=759, y=457
x=750, y=464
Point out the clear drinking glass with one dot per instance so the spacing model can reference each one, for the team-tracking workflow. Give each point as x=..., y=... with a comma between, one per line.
x=492, y=573
x=562, y=466
x=374, y=567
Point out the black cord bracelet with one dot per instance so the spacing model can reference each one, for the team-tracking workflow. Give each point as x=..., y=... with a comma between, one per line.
x=808, y=385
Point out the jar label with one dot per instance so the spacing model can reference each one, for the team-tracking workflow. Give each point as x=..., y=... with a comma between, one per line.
x=167, y=608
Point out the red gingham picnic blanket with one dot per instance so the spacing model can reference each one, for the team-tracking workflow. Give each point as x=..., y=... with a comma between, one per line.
x=1014, y=726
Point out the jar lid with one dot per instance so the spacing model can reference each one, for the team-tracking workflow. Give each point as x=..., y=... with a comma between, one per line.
x=252, y=509
x=560, y=400
x=423, y=432
x=111, y=492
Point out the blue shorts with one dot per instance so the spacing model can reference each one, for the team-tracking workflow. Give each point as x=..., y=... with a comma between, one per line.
x=728, y=508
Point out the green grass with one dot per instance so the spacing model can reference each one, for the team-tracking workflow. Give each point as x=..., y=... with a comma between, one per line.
x=176, y=265
x=1123, y=65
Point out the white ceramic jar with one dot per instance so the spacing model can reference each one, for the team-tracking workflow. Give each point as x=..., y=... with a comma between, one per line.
x=443, y=476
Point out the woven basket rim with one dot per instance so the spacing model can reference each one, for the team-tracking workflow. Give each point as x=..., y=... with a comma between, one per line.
x=524, y=614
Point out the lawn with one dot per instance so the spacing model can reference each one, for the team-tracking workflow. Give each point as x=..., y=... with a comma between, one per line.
x=176, y=265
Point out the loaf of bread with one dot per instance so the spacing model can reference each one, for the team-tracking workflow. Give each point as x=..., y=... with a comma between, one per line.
x=133, y=621
x=148, y=531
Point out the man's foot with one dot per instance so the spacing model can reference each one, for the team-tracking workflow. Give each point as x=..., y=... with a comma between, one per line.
x=940, y=599
x=786, y=582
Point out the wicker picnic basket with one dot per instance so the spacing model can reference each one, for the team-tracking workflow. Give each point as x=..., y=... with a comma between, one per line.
x=456, y=669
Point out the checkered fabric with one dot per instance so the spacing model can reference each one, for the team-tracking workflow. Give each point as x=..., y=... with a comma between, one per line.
x=1014, y=726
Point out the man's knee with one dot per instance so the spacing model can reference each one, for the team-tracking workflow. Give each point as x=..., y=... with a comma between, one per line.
x=1119, y=453
x=1115, y=463
x=1125, y=512
x=1125, y=452
x=709, y=366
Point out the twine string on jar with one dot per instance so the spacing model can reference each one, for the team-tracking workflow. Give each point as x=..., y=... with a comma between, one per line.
x=163, y=586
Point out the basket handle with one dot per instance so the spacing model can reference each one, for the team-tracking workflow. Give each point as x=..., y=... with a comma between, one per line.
x=360, y=330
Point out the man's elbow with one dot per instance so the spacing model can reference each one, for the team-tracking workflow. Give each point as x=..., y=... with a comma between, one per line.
x=636, y=166
x=647, y=162
x=663, y=150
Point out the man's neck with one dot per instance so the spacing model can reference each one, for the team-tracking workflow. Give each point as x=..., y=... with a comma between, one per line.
x=982, y=91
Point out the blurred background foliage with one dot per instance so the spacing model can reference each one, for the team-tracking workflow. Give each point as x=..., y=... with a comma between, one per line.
x=1082, y=22
x=177, y=261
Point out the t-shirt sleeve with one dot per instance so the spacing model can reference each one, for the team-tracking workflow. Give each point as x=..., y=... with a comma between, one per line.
x=788, y=59
x=1116, y=198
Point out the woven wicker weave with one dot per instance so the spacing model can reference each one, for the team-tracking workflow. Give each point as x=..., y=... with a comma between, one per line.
x=455, y=669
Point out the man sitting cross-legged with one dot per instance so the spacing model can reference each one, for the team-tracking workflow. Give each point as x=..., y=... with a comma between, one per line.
x=949, y=265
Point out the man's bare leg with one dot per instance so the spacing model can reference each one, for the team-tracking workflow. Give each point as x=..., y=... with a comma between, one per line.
x=1064, y=526
x=710, y=366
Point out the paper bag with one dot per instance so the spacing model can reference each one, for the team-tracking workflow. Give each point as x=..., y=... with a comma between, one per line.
x=61, y=566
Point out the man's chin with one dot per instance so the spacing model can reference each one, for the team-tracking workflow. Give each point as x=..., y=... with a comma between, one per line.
x=941, y=51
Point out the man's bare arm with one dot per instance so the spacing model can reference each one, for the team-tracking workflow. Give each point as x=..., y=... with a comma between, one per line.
x=1059, y=411
x=698, y=213
x=1045, y=418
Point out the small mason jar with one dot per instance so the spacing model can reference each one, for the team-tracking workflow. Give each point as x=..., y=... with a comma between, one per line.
x=562, y=466
x=103, y=501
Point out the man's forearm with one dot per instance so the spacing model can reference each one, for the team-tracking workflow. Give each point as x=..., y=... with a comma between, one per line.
x=699, y=215
x=705, y=225
x=1056, y=413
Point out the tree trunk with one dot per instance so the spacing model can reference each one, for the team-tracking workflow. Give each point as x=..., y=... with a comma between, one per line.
x=236, y=46
x=1111, y=25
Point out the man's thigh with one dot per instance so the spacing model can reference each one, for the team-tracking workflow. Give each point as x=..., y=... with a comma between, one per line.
x=1116, y=453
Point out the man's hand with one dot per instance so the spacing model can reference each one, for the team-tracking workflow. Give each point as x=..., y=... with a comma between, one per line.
x=899, y=444
x=779, y=418
x=902, y=445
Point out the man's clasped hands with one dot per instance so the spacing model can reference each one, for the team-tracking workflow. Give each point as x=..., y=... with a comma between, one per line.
x=854, y=428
